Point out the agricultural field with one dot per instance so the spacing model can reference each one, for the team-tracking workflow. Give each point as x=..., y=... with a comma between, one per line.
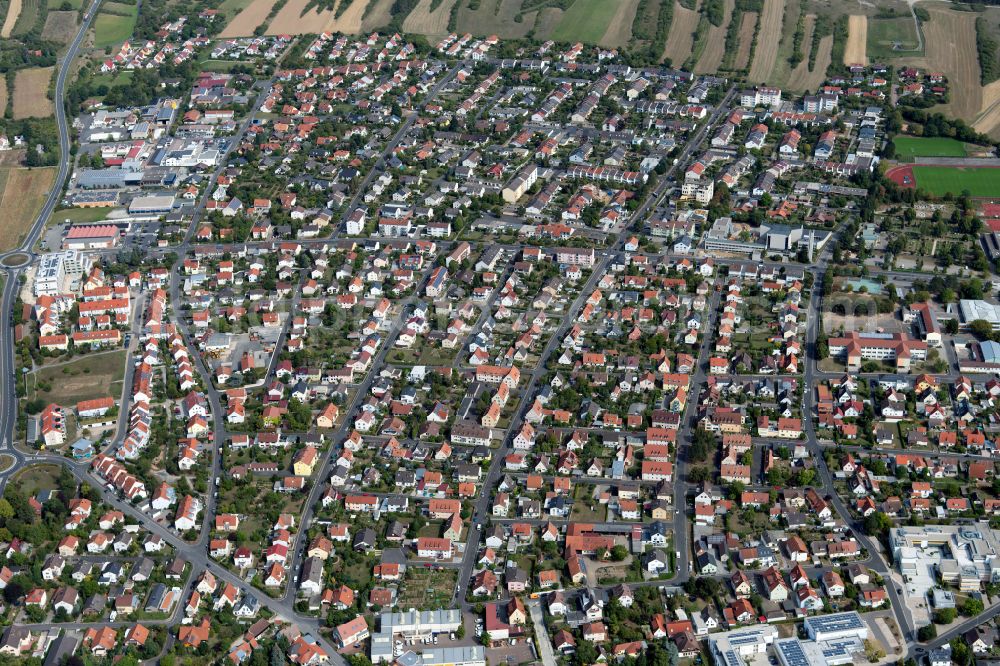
x=856, y=52
x=680, y=39
x=505, y=19
x=24, y=191
x=115, y=26
x=781, y=70
x=90, y=376
x=13, y=11
x=586, y=20
x=377, y=13
x=60, y=27
x=988, y=121
x=230, y=8
x=425, y=21
x=768, y=40
x=950, y=38
x=31, y=87
x=619, y=30
x=747, y=28
x=251, y=16
x=802, y=77
x=715, y=44
x=886, y=34
x=32, y=14
x=293, y=19
x=913, y=146
x=980, y=182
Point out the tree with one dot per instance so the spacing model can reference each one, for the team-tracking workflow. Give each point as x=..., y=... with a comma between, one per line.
x=877, y=524
x=619, y=553
x=926, y=633
x=981, y=328
x=702, y=444
x=972, y=607
x=945, y=615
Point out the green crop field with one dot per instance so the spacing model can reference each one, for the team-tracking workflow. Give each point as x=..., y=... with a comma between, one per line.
x=980, y=182
x=915, y=146
x=585, y=21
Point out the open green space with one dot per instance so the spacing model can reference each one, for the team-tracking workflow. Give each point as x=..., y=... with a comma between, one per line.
x=979, y=181
x=233, y=7
x=916, y=146
x=886, y=34
x=94, y=375
x=113, y=29
x=81, y=215
x=585, y=21
x=37, y=477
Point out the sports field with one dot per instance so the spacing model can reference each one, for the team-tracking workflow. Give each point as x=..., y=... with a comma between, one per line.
x=979, y=181
x=915, y=146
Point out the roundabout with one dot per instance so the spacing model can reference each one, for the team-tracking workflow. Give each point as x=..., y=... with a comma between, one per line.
x=15, y=260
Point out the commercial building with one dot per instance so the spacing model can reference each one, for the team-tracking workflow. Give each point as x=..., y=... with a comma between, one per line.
x=742, y=647
x=152, y=205
x=420, y=623
x=58, y=271
x=413, y=623
x=963, y=555
x=91, y=236
x=836, y=626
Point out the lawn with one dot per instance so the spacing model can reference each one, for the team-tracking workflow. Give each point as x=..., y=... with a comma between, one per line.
x=884, y=33
x=81, y=215
x=112, y=29
x=85, y=378
x=585, y=21
x=112, y=78
x=980, y=182
x=915, y=146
